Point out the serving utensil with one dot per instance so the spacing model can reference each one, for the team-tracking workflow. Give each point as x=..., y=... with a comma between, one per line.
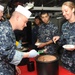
x=42, y=51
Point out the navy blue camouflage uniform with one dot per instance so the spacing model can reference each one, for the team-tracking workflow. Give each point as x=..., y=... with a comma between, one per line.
x=46, y=33
x=34, y=34
x=8, y=53
x=68, y=37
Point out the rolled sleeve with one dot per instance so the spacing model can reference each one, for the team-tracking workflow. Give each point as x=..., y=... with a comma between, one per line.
x=17, y=58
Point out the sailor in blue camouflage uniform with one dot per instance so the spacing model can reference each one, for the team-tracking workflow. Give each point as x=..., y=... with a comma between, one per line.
x=46, y=32
x=8, y=53
x=68, y=36
x=6, y=48
x=1, y=12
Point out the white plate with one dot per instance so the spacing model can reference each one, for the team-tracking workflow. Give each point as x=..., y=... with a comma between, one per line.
x=68, y=46
x=37, y=44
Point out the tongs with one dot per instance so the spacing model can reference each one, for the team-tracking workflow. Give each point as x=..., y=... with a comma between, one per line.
x=42, y=51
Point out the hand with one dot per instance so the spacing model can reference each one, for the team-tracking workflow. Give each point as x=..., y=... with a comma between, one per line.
x=18, y=71
x=33, y=53
x=55, y=38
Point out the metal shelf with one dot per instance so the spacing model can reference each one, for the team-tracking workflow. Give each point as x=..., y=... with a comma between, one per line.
x=47, y=8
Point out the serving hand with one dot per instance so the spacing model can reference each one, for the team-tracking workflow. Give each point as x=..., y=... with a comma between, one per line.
x=33, y=53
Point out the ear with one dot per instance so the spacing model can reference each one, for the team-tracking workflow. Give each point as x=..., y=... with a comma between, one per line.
x=73, y=10
x=17, y=17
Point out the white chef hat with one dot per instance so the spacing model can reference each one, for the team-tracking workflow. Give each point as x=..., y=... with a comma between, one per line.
x=23, y=11
x=1, y=8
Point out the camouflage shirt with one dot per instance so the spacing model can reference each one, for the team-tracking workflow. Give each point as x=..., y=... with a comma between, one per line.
x=68, y=37
x=46, y=33
x=8, y=53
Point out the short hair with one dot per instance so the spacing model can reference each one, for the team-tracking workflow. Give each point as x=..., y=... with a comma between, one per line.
x=69, y=4
x=37, y=17
x=42, y=13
